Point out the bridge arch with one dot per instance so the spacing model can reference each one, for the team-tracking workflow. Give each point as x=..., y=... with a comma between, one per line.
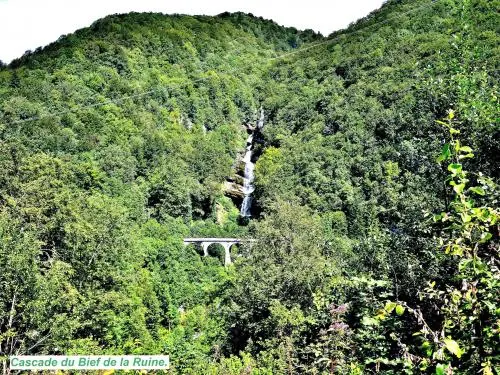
x=216, y=250
x=226, y=243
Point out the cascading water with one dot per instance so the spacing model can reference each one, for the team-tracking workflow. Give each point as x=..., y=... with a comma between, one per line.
x=248, y=187
x=260, y=123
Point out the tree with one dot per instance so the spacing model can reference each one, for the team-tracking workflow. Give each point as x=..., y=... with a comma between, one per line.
x=36, y=294
x=467, y=304
x=288, y=239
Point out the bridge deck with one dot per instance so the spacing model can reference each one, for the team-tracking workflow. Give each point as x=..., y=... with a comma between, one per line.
x=213, y=239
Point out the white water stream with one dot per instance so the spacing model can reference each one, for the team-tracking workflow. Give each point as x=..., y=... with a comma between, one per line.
x=248, y=187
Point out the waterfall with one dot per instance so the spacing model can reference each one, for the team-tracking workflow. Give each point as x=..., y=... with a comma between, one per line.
x=260, y=123
x=248, y=187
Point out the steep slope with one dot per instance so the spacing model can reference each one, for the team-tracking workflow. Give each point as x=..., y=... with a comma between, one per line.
x=351, y=122
x=351, y=142
x=115, y=141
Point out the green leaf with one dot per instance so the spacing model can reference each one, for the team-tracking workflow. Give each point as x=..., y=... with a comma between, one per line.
x=400, y=310
x=453, y=347
x=459, y=188
x=466, y=149
x=445, y=153
x=440, y=369
x=485, y=236
x=478, y=190
x=367, y=321
x=455, y=168
x=426, y=345
x=470, y=155
x=465, y=217
x=389, y=306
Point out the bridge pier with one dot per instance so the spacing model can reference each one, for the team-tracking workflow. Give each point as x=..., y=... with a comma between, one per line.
x=204, y=246
x=206, y=242
x=227, y=254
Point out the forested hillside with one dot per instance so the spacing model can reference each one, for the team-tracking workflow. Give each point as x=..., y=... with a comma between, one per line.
x=376, y=239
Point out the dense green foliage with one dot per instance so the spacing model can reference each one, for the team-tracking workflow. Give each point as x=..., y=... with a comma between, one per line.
x=115, y=142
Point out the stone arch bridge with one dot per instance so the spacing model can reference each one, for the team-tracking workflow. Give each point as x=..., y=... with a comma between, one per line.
x=225, y=242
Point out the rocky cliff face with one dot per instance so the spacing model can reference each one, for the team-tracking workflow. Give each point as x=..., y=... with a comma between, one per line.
x=234, y=190
x=234, y=185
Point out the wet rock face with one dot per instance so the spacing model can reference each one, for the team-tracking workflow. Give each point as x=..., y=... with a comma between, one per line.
x=237, y=179
x=233, y=186
x=240, y=167
x=239, y=187
x=234, y=190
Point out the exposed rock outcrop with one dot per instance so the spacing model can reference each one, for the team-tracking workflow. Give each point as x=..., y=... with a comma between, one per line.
x=234, y=190
x=239, y=186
